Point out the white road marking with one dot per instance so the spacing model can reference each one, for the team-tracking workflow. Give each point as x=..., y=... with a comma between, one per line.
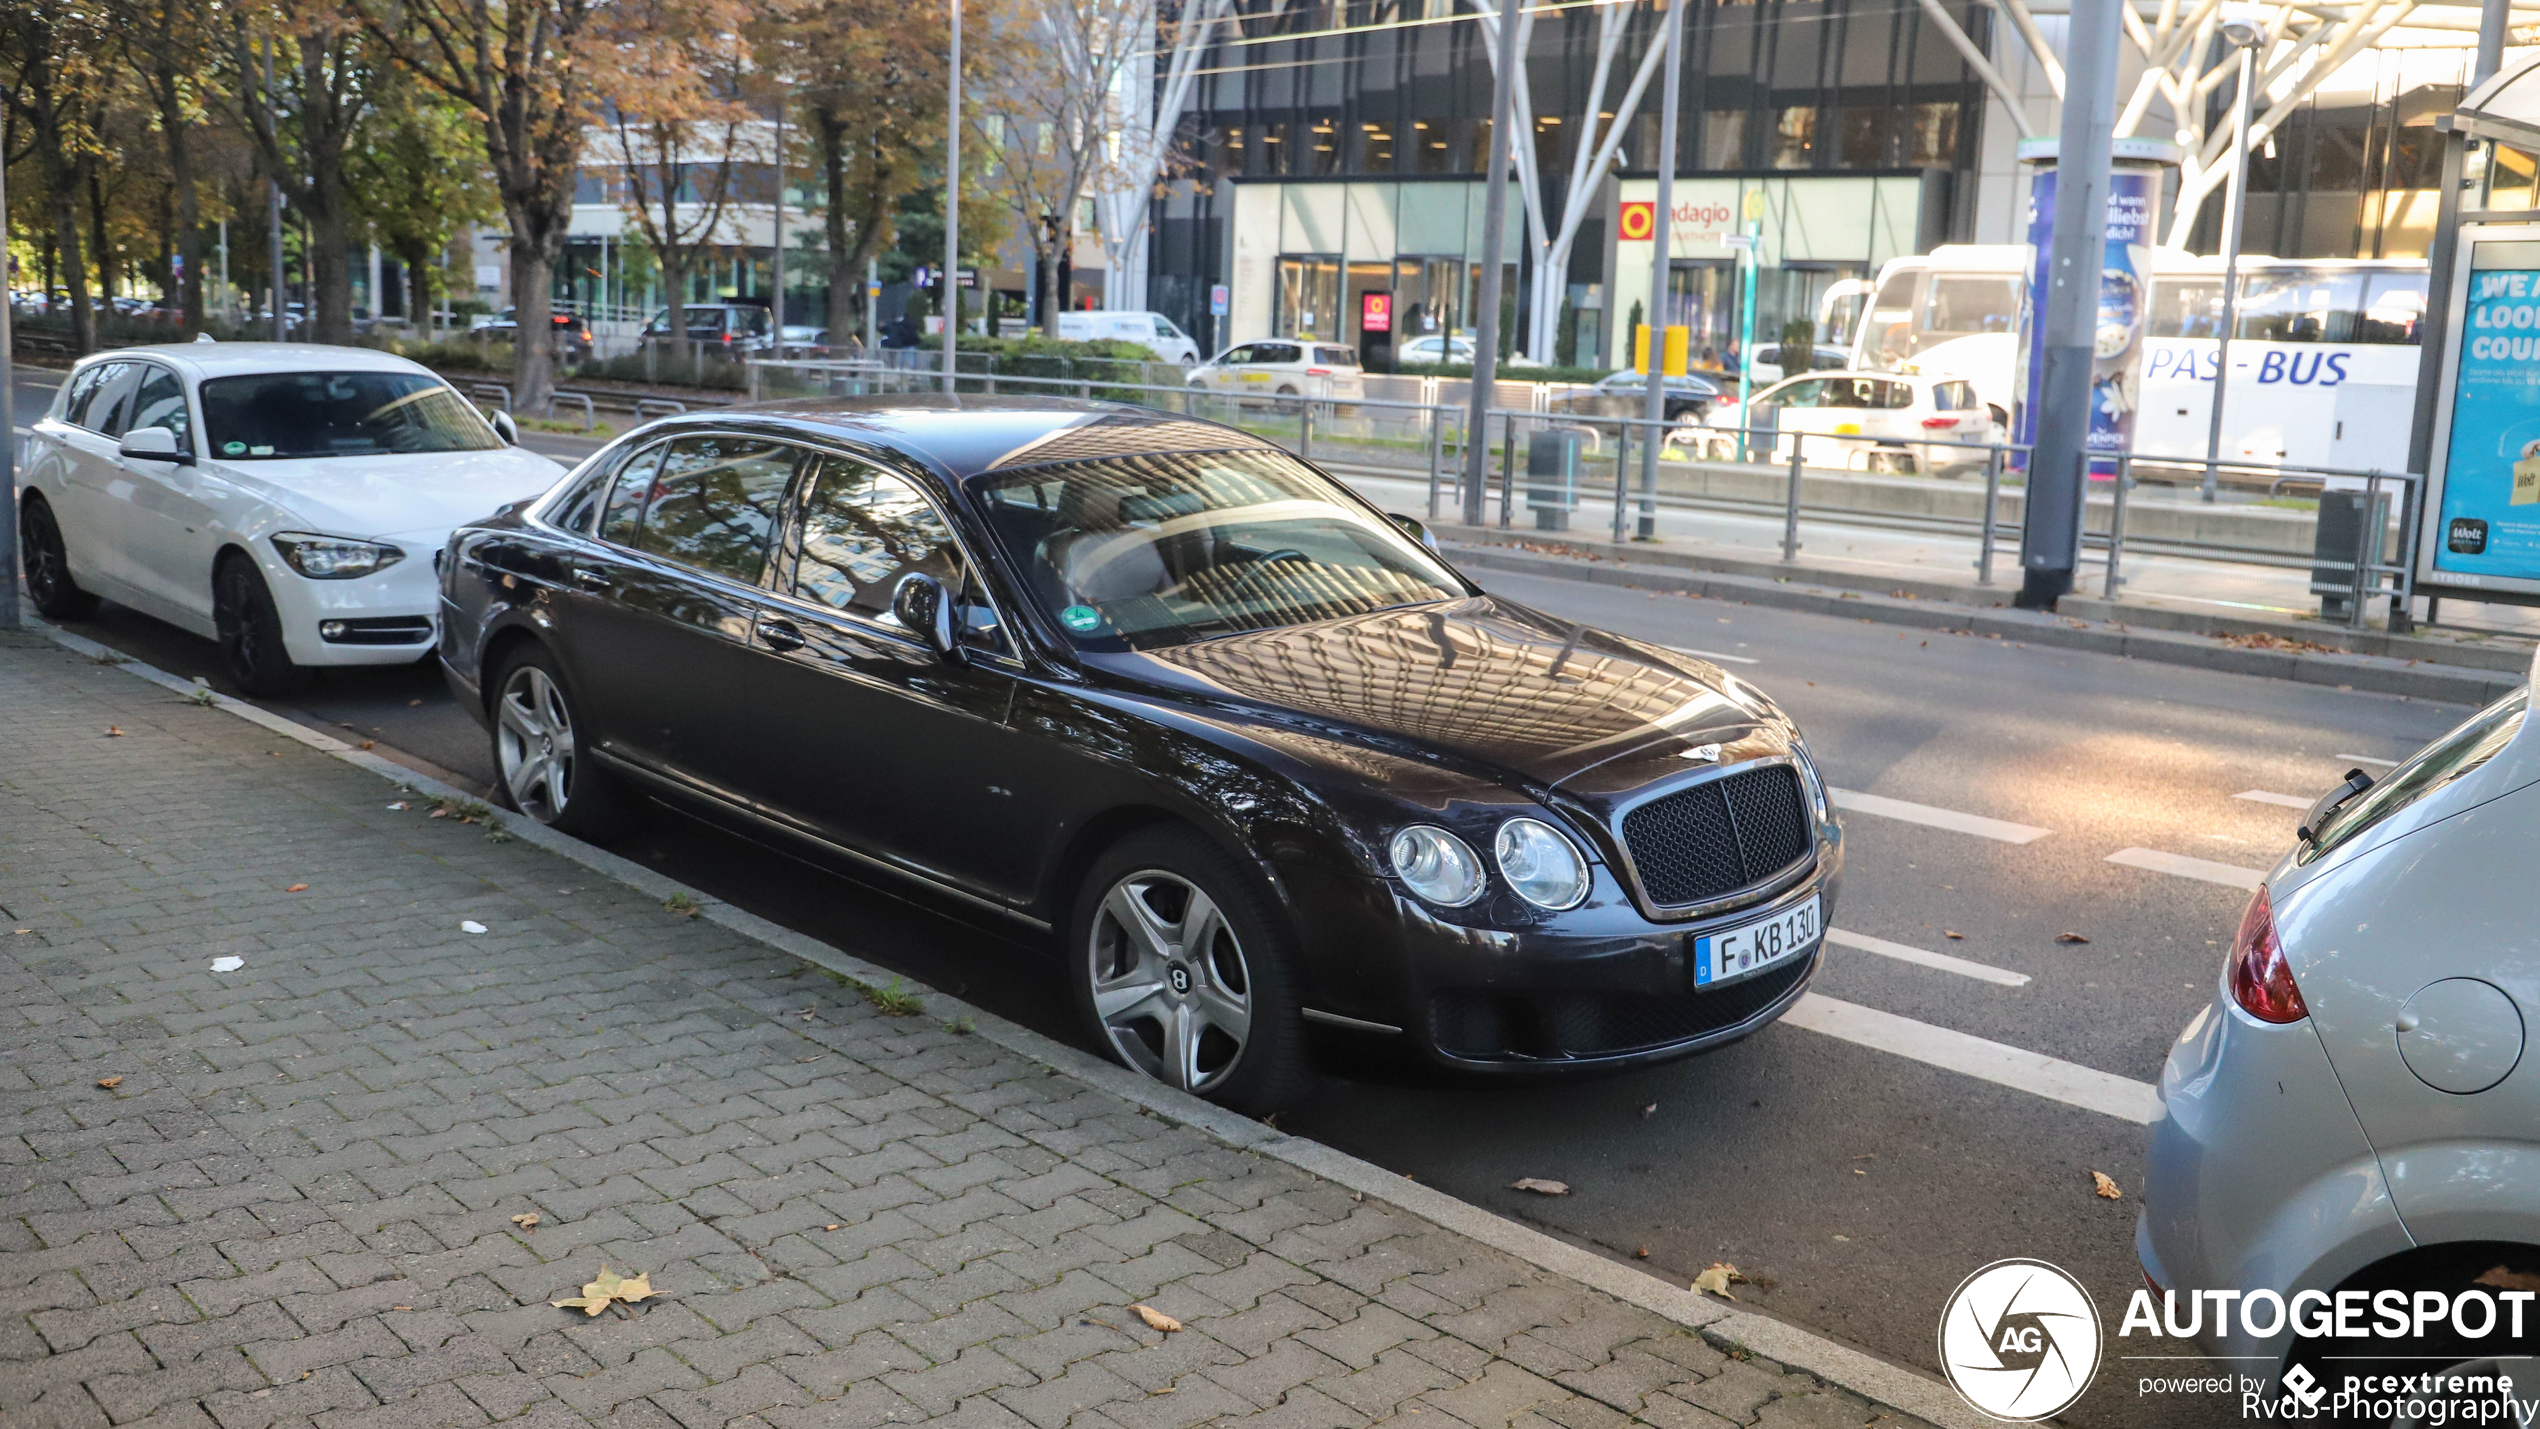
x=2368, y=759
x=2230, y=874
x=2033, y=1072
x=1712, y=655
x=1903, y=953
x=1977, y=824
x=2287, y=801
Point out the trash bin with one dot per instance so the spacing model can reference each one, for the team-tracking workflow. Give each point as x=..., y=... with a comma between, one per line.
x=2342, y=521
x=1552, y=477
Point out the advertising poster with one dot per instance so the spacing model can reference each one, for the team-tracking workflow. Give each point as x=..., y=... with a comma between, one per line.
x=2125, y=299
x=2490, y=521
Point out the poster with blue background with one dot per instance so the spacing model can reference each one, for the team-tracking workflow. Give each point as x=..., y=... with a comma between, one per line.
x=2490, y=521
x=2125, y=299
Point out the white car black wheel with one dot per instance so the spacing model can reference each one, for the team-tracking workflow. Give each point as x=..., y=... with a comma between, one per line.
x=1181, y=969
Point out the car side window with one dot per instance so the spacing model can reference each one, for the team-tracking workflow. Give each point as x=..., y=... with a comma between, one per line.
x=1800, y=394
x=864, y=528
x=160, y=402
x=1277, y=352
x=102, y=401
x=1896, y=396
x=580, y=505
x=625, y=511
x=1237, y=355
x=714, y=503
x=77, y=390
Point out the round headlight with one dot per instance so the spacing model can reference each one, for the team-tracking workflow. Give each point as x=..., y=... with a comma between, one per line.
x=1540, y=864
x=1437, y=865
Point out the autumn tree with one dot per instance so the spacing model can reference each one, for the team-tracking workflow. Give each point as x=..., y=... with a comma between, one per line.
x=678, y=123
x=417, y=178
x=1052, y=115
x=56, y=81
x=302, y=71
x=529, y=73
x=171, y=48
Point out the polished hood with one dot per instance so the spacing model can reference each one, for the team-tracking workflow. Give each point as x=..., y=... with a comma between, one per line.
x=392, y=495
x=1480, y=680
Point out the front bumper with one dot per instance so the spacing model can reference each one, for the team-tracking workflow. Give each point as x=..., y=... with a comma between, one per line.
x=1513, y=991
x=405, y=599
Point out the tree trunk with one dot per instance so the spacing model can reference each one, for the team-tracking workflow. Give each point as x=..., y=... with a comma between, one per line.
x=103, y=240
x=846, y=284
x=533, y=309
x=61, y=181
x=330, y=258
x=189, y=203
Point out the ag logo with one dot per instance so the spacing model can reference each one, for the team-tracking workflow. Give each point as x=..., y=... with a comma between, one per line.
x=2020, y=1340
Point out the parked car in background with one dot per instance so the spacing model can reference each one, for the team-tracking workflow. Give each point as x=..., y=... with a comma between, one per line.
x=1885, y=421
x=1285, y=368
x=1153, y=331
x=803, y=340
x=1243, y=749
x=1688, y=398
x=2353, y=1111
x=733, y=327
x=572, y=334
x=284, y=499
x=1767, y=364
x=1439, y=350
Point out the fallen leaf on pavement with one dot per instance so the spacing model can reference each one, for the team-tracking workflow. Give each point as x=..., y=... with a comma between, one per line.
x=2070, y=938
x=401, y=1307
x=525, y=1219
x=397, y=808
x=1718, y=1279
x=114, y=731
x=1641, y=1254
x=366, y=743
x=2105, y=1188
x=833, y=1225
x=1157, y=1319
x=297, y=888
x=1540, y=1186
x=1953, y=937
x=2507, y=1278
x=596, y=1296
x=110, y=1083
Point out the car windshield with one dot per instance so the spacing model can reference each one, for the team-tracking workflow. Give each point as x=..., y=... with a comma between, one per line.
x=2475, y=741
x=1147, y=551
x=279, y=416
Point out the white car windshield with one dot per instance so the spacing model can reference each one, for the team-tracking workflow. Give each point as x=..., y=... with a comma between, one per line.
x=281, y=416
x=1160, y=550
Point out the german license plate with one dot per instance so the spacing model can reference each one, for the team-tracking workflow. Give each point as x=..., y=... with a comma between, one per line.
x=1752, y=947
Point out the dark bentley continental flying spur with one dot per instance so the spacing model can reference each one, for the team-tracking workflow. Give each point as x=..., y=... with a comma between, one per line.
x=1263, y=767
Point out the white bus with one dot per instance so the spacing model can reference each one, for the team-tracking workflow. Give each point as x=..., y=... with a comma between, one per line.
x=2323, y=356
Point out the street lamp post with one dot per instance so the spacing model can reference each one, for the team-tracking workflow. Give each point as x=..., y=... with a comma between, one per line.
x=952, y=202
x=2243, y=36
x=8, y=426
x=1494, y=242
x=778, y=263
x=1654, y=401
x=273, y=207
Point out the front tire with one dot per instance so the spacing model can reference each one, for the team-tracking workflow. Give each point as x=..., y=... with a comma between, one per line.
x=538, y=747
x=250, y=630
x=47, y=563
x=1182, y=969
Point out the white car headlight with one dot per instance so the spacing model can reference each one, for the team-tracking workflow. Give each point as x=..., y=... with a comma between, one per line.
x=1437, y=865
x=1544, y=868
x=333, y=558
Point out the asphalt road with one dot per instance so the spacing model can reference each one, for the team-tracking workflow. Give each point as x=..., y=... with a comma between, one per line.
x=1854, y=1187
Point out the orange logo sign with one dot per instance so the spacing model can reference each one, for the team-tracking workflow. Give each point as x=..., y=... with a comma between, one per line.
x=1640, y=222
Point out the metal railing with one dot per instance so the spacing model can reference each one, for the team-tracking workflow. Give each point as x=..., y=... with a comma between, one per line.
x=1797, y=477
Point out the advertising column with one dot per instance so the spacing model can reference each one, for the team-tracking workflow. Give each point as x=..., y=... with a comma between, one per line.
x=2125, y=294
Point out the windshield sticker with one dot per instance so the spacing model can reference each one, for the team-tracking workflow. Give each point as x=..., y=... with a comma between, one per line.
x=233, y=448
x=1083, y=619
x=260, y=451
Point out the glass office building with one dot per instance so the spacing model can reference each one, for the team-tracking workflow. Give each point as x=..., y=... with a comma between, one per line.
x=1335, y=150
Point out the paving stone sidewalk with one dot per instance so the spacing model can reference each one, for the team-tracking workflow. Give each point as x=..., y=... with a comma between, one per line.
x=298, y=1205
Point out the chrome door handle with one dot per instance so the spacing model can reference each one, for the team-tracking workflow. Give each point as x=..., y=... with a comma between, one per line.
x=780, y=635
x=590, y=579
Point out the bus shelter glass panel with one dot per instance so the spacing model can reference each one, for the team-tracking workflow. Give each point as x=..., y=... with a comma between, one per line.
x=1702, y=295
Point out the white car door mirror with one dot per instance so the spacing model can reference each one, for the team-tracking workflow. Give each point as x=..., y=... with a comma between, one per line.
x=155, y=444
x=504, y=426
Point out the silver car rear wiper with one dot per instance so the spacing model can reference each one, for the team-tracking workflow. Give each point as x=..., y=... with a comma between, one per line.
x=2356, y=782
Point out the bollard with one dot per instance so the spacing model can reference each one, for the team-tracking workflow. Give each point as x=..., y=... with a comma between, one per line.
x=1790, y=511
x=1992, y=508
x=2116, y=526
x=1622, y=472
x=1507, y=470
x=1305, y=430
x=1437, y=460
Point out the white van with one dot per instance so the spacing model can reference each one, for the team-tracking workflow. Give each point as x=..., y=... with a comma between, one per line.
x=1154, y=330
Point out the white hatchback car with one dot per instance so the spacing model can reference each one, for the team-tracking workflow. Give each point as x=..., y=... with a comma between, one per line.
x=281, y=498
x=1285, y=367
x=1885, y=421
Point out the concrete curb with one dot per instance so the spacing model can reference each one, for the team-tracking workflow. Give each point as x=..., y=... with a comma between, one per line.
x=1872, y=1378
x=2379, y=674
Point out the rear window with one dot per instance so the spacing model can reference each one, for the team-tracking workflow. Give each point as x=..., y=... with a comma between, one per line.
x=2454, y=756
x=1336, y=357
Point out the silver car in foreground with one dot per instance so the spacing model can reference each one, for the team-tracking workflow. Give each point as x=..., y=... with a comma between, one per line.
x=2356, y=1111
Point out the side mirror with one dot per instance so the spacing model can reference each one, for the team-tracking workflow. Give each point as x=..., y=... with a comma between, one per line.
x=505, y=427
x=155, y=444
x=922, y=608
x=1417, y=529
